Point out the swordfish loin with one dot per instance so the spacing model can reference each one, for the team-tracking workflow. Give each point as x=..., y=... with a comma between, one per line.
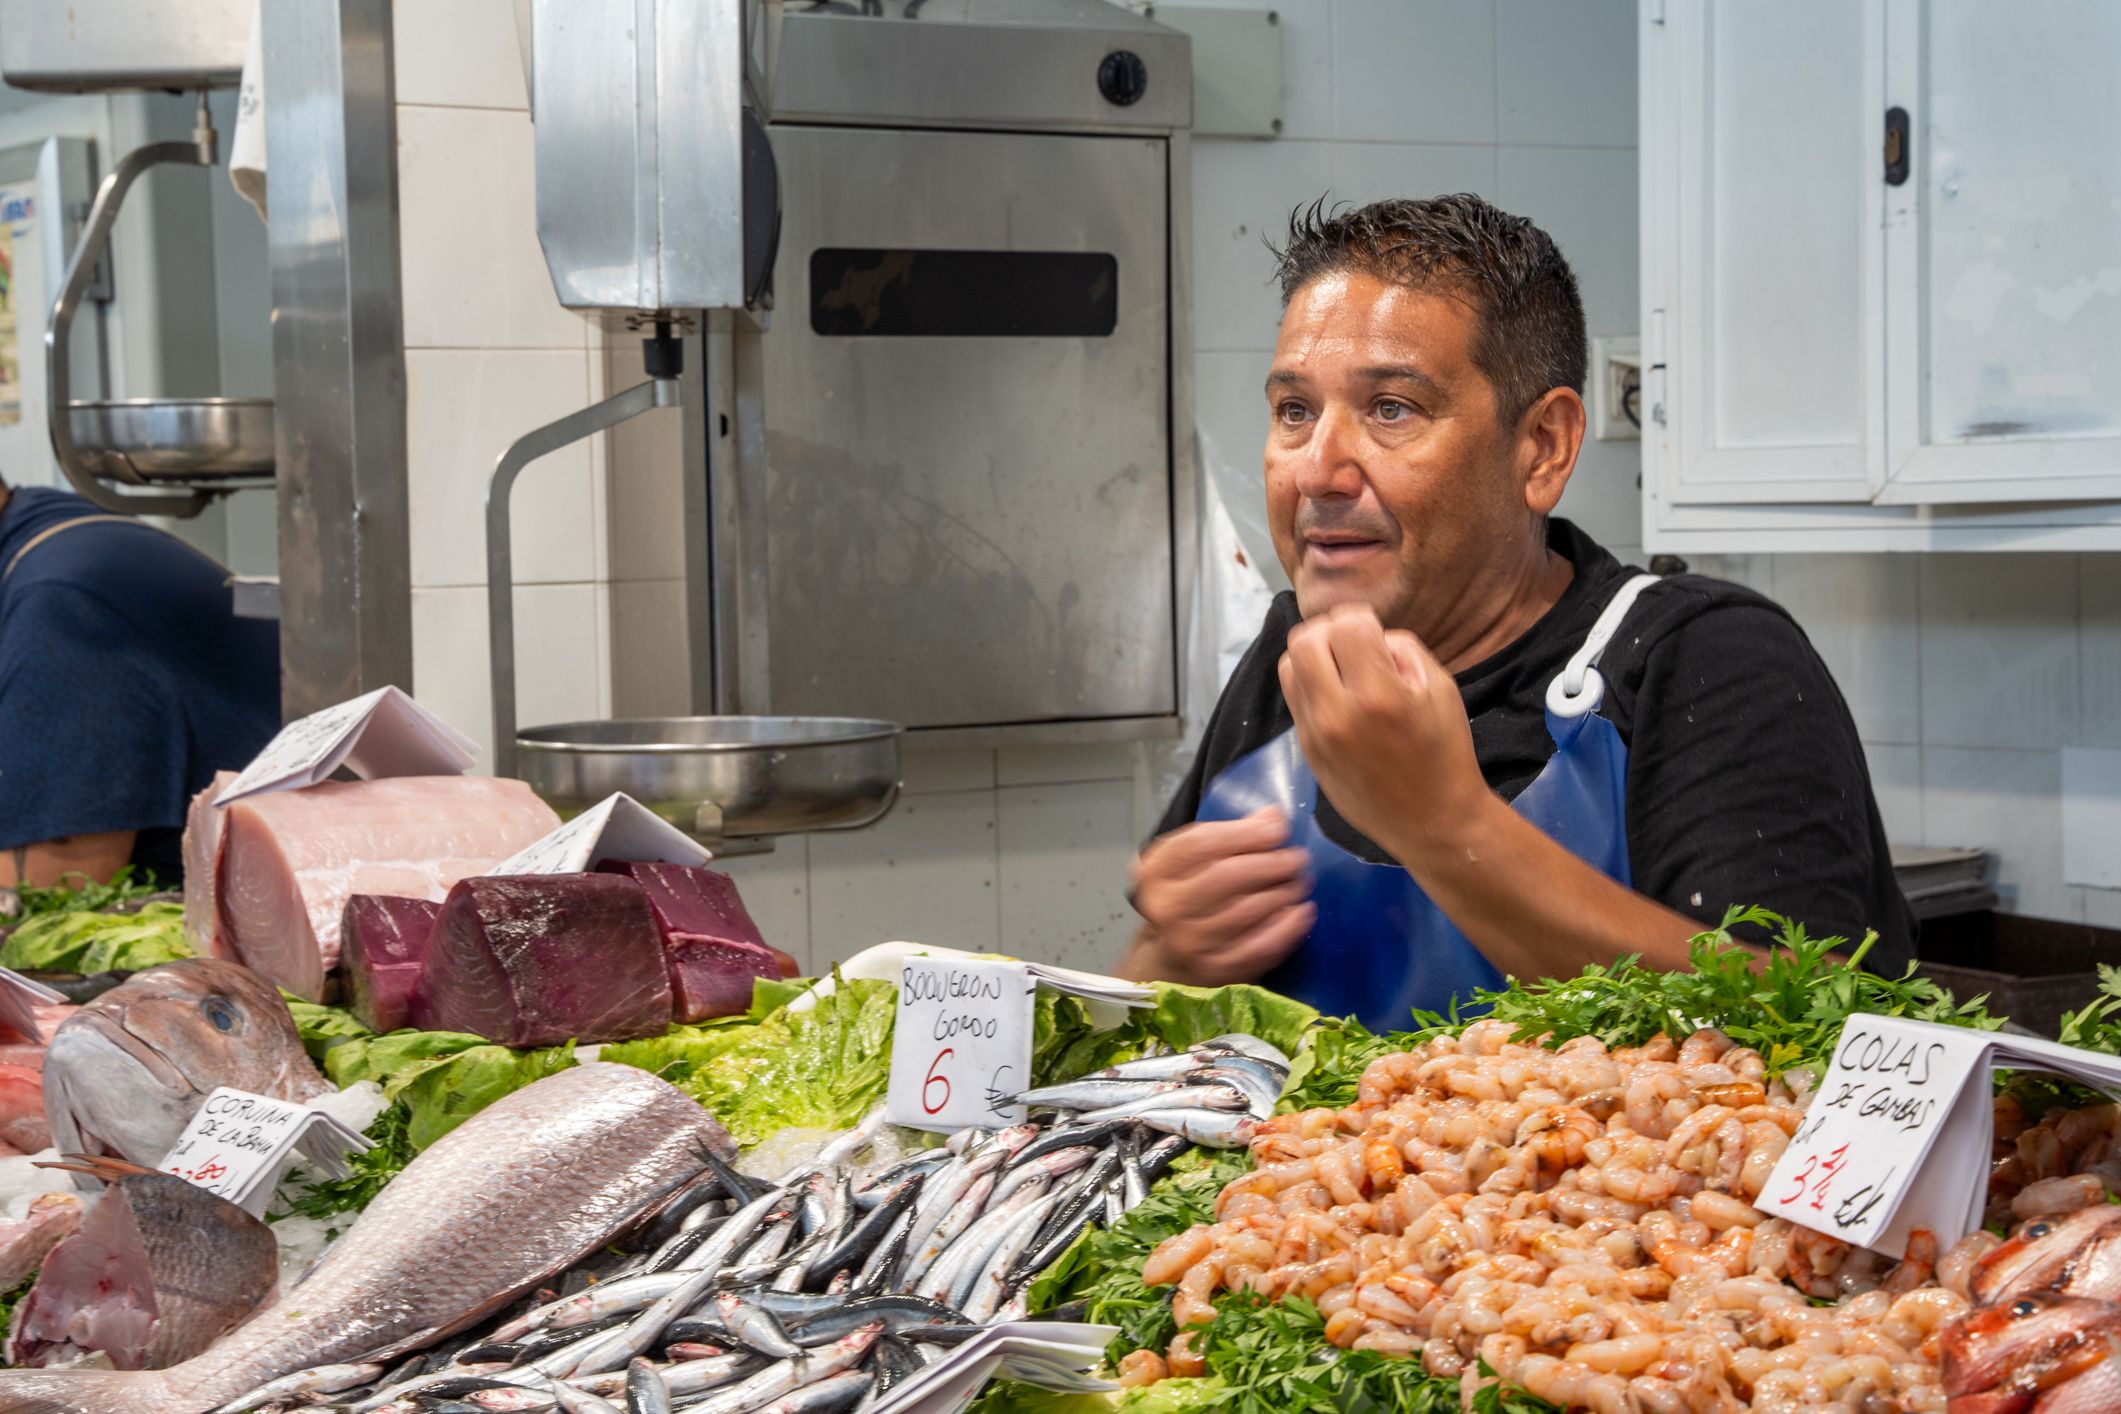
x=288, y=860
x=523, y=1189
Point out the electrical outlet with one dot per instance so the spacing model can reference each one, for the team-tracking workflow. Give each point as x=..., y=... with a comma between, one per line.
x=1616, y=388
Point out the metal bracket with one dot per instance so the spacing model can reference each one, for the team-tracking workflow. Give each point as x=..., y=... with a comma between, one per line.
x=500, y=562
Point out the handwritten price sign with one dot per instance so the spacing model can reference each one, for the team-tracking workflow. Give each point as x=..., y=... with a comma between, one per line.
x=237, y=1145
x=961, y=1045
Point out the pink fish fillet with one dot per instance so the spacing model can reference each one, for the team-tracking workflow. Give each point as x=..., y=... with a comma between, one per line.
x=289, y=860
x=202, y=867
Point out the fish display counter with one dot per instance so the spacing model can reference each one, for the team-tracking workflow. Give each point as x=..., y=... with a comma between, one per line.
x=618, y=1159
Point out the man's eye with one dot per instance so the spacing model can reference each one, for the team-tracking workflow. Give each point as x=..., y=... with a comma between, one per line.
x=1392, y=410
x=1292, y=412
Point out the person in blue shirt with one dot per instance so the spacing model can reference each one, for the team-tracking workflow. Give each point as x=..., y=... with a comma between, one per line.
x=126, y=681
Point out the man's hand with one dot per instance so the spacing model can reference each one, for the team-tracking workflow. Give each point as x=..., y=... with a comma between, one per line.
x=1383, y=728
x=1224, y=899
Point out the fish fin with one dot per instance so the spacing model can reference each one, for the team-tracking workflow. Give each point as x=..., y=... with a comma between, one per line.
x=96, y=1166
x=86, y=1392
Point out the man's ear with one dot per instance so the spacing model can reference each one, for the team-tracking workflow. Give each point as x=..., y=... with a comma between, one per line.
x=1549, y=436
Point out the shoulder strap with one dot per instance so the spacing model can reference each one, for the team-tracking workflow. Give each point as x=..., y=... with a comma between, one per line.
x=1580, y=687
x=65, y=525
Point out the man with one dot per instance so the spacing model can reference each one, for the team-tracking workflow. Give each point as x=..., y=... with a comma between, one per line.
x=126, y=681
x=1426, y=773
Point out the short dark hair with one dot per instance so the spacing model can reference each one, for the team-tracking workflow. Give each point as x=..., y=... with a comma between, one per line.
x=1531, y=334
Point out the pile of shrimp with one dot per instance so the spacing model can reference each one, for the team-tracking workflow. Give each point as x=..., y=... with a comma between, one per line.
x=2071, y=1159
x=1581, y=1221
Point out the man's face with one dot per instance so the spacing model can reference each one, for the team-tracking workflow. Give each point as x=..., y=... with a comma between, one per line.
x=1390, y=481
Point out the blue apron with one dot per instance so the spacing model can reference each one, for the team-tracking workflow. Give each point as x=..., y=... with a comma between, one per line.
x=1380, y=947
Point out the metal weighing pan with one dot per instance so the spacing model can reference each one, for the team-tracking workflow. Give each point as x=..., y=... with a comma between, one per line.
x=720, y=778
x=142, y=440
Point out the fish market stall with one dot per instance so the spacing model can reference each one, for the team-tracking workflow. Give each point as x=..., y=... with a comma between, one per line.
x=597, y=1149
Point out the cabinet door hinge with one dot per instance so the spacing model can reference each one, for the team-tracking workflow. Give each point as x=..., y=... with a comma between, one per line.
x=1656, y=12
x=1653, y=367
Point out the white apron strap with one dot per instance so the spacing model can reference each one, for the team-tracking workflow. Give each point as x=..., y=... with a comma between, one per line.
x=1580, y=687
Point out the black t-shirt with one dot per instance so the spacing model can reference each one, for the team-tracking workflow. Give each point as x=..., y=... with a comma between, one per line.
x=1746, y=780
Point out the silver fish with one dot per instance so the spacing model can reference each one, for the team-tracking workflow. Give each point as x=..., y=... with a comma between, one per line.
x=518, y=1192
x=1211, y=1129
x=787, y=1376
x=1186, y=1097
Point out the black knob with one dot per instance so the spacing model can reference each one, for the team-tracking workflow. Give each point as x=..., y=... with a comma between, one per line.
x=1123, y=78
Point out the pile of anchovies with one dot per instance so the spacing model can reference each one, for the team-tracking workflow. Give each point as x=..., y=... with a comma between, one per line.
x=823, y=1290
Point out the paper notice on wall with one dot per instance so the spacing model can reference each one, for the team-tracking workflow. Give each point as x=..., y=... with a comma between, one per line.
x=617, y=828
x=378, y=734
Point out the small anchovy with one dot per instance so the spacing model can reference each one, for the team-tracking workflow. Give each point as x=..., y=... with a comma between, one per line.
x=1097, y=1094
x=697, y=1200
x=892, y=1313
x=1262, y=1091
x=647, y=1392
x=1158, y=1156
x=756, y=1327
x=322, y=1379
x=894, y=1362
x=1209, y=1128
x=690, y=1377
x=976, y=1241
x=972, y=1269
x=741, y=1187
x=1067, y=1136
x=1148, y=1068
x=821, y=1396
x=995, y=1274
x=811, y=1211
x=1245, y=1045
x=683, y=1350
x=512, y=1399
x=1185, y=1097
x=1054, y=1165
x=887, y=1256
x=580, y=1401
x=787, y=1375
x=859, y=1237
x=604, y=1299
x=963, y=1213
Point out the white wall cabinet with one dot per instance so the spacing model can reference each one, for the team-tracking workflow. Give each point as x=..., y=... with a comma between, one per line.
x=1852, y=352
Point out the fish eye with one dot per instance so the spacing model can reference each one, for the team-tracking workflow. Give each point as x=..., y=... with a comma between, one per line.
x=2024, y=1306
x=220, y=1013
x=2039, y=1230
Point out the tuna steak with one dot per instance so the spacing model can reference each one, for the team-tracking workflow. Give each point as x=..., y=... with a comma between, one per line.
x=383, y=941
x=518, y=1192
x=125, y=1073
x=713, y=948
x=158, y=1271
x=290, y=859
x=538, y=959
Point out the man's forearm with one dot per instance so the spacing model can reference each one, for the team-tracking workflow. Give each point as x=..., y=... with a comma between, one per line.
x=1533, y=908
x=93, y=857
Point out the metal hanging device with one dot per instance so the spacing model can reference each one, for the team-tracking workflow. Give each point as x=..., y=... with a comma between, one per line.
x=185, y=452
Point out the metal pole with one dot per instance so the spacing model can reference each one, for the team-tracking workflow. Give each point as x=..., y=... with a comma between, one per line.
x=338, y=352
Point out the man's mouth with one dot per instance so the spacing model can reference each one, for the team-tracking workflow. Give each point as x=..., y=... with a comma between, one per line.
x=1330, y=550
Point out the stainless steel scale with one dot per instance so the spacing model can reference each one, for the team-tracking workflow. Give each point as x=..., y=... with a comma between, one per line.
x=181, y=453
x=657, y=202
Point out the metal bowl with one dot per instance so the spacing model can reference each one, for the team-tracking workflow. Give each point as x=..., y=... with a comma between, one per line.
x=721, y=777
x=144, y=441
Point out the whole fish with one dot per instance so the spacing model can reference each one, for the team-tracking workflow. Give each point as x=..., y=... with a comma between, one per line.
x=156, y=1272
x=517, y=1193
x=125, y=1073
x=1211, y=1129
x=2079, y=1254
x=2035, y=1345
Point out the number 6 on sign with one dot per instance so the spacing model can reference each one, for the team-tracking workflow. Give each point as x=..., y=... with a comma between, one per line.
x=930, y=1102
x=960, y=1021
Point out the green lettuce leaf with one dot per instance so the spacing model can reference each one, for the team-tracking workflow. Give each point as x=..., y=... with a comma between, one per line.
x=98, y=942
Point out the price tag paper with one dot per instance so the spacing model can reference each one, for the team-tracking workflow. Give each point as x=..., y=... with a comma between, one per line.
x=1898, y=1133
x=616, y=827
x=378, y=734
x=961, y=1045
x=239, y=1144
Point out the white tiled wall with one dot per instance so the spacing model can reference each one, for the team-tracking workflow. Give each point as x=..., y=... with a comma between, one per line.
x=489, y=355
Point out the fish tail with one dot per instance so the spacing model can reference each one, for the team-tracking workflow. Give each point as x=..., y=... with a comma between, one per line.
x=86, y=1392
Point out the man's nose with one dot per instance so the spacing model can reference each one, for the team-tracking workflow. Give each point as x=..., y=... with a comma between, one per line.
x=1331, y=467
